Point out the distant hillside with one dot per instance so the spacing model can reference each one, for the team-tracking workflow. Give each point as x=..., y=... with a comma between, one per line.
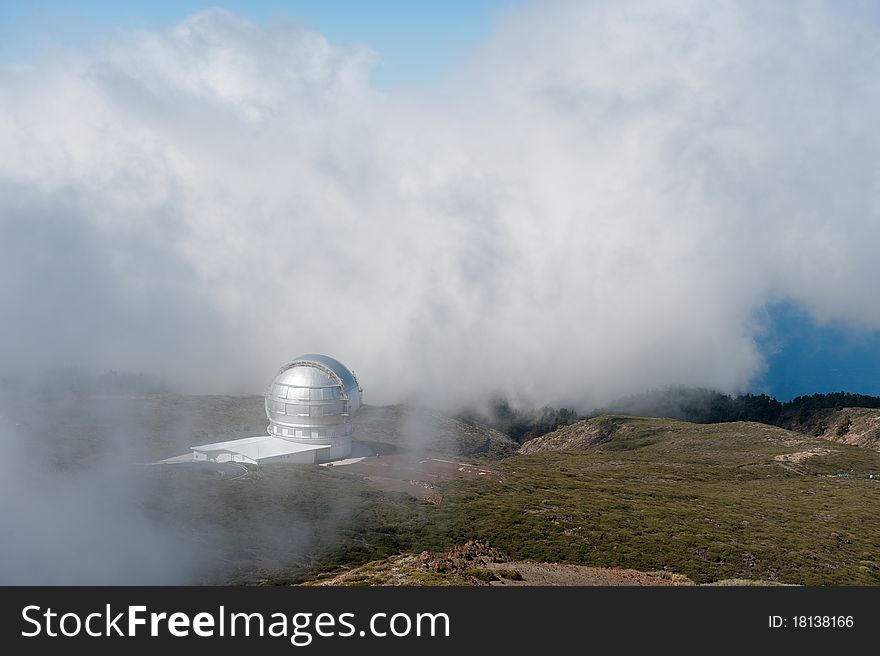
x=579, y=436
x=858, y=426
x=628, y=433
x=704, y=406
x=697, y=405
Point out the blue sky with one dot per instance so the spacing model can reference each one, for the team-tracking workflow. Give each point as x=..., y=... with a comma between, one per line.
x=804, y=357
x=417, y=43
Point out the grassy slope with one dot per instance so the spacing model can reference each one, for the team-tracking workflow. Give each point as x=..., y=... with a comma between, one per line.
x=707, y=501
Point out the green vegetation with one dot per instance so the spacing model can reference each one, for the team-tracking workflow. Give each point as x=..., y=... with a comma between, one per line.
x=509, y=574
x=704, y=406
x=481, y=574
x=707, y=501
x=701, y=406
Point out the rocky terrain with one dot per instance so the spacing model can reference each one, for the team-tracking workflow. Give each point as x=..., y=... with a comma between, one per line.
x=475, y=563
x=858, y=426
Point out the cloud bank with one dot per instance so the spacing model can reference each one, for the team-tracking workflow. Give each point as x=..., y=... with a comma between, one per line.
x=601, y=201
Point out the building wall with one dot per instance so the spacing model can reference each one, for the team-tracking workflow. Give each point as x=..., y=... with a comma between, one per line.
x=303, y=457
x=300, y=457
x=339, y=448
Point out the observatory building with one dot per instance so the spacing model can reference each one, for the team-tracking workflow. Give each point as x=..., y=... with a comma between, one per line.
x=309, y=404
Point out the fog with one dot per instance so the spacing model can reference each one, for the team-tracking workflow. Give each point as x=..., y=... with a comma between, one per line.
x=601, y=200
x=84, y=524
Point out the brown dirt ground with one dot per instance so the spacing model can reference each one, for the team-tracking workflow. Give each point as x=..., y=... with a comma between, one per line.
x=799, y=456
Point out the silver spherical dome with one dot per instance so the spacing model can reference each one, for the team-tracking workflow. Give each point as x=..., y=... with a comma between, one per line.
x=312, y=399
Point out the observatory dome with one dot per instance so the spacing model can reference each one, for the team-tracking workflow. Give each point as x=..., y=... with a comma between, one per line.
x=312, y=400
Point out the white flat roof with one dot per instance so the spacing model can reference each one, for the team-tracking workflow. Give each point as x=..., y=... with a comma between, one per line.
x=261, y=446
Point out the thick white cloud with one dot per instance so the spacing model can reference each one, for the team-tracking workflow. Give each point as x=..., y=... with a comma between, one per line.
x=597, y=204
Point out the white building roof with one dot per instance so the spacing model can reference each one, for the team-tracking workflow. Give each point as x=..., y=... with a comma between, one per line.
x=262, y=446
